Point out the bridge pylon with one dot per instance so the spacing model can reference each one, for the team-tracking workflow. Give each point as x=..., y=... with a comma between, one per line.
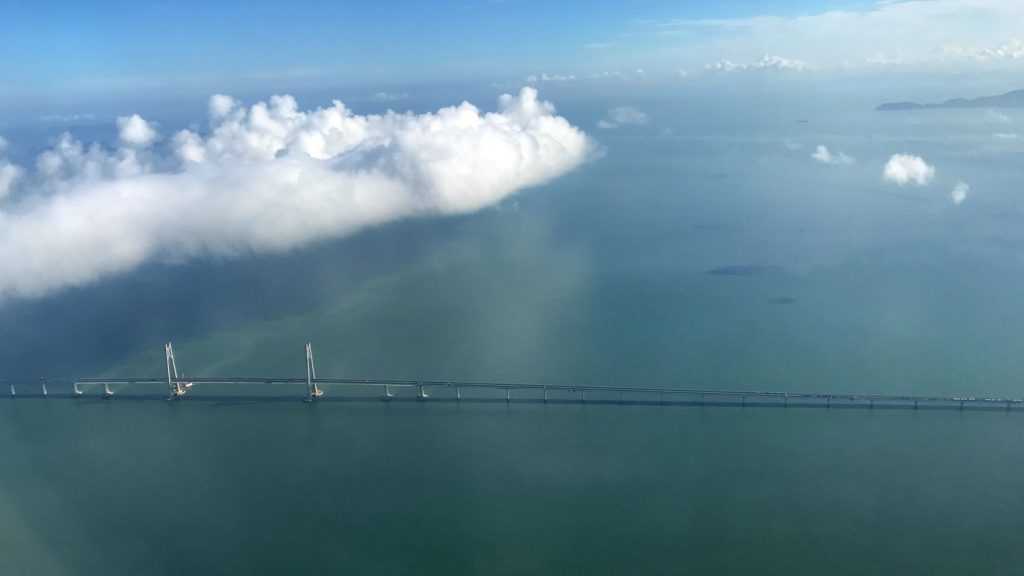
x=175, y=386
x=313, y=391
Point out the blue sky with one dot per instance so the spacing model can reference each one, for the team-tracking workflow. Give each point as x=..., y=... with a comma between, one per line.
x=56, y=51
x=66, y=42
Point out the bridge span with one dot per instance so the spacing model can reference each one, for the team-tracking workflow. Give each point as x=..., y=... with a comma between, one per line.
x=356, y=389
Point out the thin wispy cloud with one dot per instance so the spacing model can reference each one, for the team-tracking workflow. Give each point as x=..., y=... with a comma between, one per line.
x=959, y=193
x=767, y=62
x=390, y=96
x=623, y=116
x=265, y=178
x=944, y=32
x=825, y=156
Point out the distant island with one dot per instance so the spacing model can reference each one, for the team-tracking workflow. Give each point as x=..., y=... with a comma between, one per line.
x=1013, y=99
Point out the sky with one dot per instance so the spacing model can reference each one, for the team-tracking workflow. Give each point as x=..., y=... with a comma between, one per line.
x=112, y=48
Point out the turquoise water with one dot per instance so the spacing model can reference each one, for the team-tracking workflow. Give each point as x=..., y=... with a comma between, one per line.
x=601, y=278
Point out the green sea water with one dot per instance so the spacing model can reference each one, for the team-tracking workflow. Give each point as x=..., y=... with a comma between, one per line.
x=602, y=278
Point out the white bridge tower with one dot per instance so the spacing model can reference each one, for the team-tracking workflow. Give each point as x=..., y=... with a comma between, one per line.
x=175, y=385
x=313, y=390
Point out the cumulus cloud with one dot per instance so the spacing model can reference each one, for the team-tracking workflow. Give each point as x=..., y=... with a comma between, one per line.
x=9, y=173
x=268, y=178
x=624, y=115
x=135, y=131
x=767, y=62
x=823, y=155
x=906, y=168
x=959, y=193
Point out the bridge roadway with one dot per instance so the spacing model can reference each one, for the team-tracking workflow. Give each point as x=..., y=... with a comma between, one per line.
x=567, y=393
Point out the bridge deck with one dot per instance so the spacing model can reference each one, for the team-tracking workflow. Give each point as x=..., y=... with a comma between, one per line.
x=555, y=392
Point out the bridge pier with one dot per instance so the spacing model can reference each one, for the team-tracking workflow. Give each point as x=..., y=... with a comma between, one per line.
x=107, y=392
x=44, y=388
x=422, y=394
x=545, y=394
x=76, y=391
x=13, y=393
x=458, y=394
x=508, y=398
x=387, y=393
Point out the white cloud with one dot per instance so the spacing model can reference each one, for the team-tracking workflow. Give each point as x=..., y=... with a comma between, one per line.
x=390, y=96
x=1005, y=135
x=998, y=117
x=767, y=62
x=135, y=131
x=9, y=174
x=944, y=32
x=959, y=193
x=621, y=116
x=266, y=179
x=823, y=155
x=533, y=79
x=905, y=168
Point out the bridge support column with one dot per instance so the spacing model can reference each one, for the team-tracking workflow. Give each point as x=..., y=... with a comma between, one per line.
x=76, y=391
x=871, y=403
x=422, y=394
x=107, y=392
x=458, y=394
x=387, y=393
x=312, y=390
x=13, y=393
x=743, y=401
x=545, y=394
x=508, y=398
x=44, y=388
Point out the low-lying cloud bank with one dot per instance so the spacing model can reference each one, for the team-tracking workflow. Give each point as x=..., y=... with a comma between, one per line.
x=266, y=178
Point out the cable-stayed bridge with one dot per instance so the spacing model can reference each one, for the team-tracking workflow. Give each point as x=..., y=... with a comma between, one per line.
x=313, y=390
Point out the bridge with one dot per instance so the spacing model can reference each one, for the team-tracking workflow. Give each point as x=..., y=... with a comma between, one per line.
x=467, y=391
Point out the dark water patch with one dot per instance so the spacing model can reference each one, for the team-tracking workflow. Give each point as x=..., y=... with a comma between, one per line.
x=743, y=270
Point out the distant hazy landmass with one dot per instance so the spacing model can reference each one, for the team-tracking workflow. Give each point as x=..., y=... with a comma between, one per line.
x=1013, y=99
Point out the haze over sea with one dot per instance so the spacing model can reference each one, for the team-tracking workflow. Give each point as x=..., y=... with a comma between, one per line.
x=829, y=279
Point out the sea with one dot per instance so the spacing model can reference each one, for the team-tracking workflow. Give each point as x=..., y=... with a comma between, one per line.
x=703, y=249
